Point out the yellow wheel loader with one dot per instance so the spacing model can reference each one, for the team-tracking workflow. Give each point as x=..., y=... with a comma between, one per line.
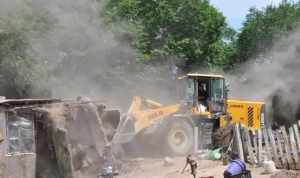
x=205, y=106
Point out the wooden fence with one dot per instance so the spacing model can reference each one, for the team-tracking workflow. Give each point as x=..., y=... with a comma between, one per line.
x=281, y=145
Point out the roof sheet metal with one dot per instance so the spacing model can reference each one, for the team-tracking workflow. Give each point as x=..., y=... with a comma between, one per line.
x=205, y=75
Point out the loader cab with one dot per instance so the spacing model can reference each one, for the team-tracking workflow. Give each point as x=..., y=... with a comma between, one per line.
x=206, y=93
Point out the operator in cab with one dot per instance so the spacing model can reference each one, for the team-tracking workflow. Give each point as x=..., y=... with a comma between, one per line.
x=202, y=98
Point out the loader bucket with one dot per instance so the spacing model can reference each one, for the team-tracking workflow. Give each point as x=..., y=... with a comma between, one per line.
x=125, y=132
x=112, y=117
x=110, y=120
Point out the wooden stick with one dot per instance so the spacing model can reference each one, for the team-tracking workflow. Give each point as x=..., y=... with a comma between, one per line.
x=239, y=141
x=281, y=155
x=260, y=149
x=267, y=144
x=249, y=146
x=254, y=133
x=297, y=135
x=286, y=145
x=293, y=145
x=273, y=145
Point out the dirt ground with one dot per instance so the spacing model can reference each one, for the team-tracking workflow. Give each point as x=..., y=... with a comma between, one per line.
x=155, y=168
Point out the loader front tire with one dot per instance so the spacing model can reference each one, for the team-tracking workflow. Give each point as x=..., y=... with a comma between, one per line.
x=178, y=137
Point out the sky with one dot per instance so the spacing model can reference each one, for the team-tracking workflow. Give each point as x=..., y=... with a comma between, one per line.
x=235, y=10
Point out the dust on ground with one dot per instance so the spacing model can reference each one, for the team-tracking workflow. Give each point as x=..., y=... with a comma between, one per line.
x=155, y=168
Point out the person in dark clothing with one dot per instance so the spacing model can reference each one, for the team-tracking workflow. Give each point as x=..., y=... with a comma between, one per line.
x=202, y=99
x=202, y=93
x=235, y=167
x=193, y=165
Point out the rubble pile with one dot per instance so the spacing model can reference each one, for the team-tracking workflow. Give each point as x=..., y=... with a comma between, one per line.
x=68, y=139
x=79, y=137
x=223, y=136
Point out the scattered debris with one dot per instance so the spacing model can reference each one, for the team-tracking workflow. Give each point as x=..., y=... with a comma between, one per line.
x=214, y=154
x=168, y=161
x=286, y=174
x=269, y=167
x=223, y=136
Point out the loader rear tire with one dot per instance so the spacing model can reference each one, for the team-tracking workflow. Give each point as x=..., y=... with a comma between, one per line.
x=178, y=137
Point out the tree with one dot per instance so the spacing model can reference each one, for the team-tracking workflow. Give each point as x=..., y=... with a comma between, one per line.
x=191, y=30
x=264, y=27
x=19, y=70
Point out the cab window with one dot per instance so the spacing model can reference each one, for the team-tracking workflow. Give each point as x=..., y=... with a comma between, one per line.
x=217, y=95
x=189, y=91
x=217, y=88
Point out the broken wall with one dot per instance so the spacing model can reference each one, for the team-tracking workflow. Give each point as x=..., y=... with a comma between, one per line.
x=58, y=139
x=78, y=138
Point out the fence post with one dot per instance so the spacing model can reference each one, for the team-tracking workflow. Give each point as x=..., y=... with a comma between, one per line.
x=260, y=149
x=293, y=145
x=266, y=138
x=255, y=133
x=273, y=145
x=297, y=135
x=239, y=141
x=249, y=146
x=279, y=143
x=286, y=146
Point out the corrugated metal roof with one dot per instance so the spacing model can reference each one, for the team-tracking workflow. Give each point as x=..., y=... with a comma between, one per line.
x=24, y=102
x=204, y=75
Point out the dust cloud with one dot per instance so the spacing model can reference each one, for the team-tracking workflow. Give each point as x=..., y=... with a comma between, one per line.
x=83, y=57
x=274, y=78
x=8, y=6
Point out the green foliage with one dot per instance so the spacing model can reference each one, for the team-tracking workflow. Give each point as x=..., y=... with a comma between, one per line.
x=19, y=71
x=189, y=29
x=264, y=27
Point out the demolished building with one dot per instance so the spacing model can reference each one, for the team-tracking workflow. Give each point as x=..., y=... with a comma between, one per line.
x=54, y=138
